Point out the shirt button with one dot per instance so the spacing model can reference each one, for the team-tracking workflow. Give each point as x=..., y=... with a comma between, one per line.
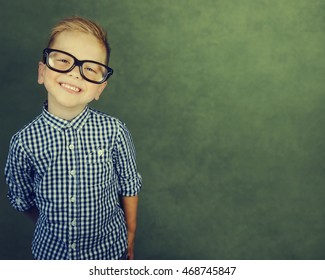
x=73, y=172
x=18, y=201
x=74, y=222
x=71, y=146
x=73, y=199
x=73, y=246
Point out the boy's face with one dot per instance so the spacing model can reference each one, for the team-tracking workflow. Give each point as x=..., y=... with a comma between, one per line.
x=69, y=92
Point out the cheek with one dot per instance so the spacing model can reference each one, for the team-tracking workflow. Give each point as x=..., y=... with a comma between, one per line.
x=49, y=76
x=49, y=80
x=94, y=90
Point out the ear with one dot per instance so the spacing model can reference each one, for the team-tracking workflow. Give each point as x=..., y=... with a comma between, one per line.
x=100, y=90
x=41, y=69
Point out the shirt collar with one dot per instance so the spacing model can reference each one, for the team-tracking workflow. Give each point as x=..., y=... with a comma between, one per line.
x=76, y=123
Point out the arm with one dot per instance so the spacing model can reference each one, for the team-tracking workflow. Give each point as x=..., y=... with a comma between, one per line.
x=19, y=172
x=129, y=182
x=130, y=206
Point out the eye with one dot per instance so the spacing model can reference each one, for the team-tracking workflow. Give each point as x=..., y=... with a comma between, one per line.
x=62, y=60
x=89, y=69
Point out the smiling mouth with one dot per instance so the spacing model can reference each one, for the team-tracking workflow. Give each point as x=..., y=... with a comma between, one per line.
x=70, y=87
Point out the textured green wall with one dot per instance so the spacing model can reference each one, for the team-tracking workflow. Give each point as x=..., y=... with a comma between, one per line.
x=225, y=103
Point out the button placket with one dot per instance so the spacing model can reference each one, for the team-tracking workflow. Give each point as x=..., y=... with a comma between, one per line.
x=72, y=188
x=74, y=222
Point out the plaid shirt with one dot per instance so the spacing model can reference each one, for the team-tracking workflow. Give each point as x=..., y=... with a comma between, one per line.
x=74, y=172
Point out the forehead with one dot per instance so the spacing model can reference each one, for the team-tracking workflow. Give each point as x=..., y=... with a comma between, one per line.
x=82, y=45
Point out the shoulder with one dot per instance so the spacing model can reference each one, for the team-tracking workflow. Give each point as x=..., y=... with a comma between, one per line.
x=110, y=126
x=20, y=141
x=29, y=129
x=106, y=120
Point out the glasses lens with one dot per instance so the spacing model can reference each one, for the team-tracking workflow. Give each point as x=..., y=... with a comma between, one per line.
x=60, y=61
x=94, y=72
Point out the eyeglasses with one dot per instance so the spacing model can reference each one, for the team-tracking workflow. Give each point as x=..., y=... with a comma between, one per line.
x=64, y=62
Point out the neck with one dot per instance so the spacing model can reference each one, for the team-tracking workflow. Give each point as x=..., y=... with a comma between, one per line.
x=65, y=113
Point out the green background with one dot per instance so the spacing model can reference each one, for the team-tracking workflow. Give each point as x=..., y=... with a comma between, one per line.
x=225, y=102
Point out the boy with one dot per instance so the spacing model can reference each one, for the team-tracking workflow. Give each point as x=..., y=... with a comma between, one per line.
x=72, y=170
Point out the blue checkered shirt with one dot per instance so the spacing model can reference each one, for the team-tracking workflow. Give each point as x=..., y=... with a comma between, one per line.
x=74, y=172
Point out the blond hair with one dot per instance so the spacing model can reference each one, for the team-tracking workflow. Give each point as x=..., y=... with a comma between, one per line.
x=81, y=24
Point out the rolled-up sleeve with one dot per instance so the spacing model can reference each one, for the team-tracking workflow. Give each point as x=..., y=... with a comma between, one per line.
x=130, y=181
x=19, y=177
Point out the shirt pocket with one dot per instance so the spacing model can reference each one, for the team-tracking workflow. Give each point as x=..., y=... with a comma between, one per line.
x=99, y=167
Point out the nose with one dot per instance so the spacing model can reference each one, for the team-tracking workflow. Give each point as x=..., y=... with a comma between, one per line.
x=75, y=73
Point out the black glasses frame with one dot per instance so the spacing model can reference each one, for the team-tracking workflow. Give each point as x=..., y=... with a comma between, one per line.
x=78, y=63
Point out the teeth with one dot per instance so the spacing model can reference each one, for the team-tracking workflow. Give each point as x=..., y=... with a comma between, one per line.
x=70, y=87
